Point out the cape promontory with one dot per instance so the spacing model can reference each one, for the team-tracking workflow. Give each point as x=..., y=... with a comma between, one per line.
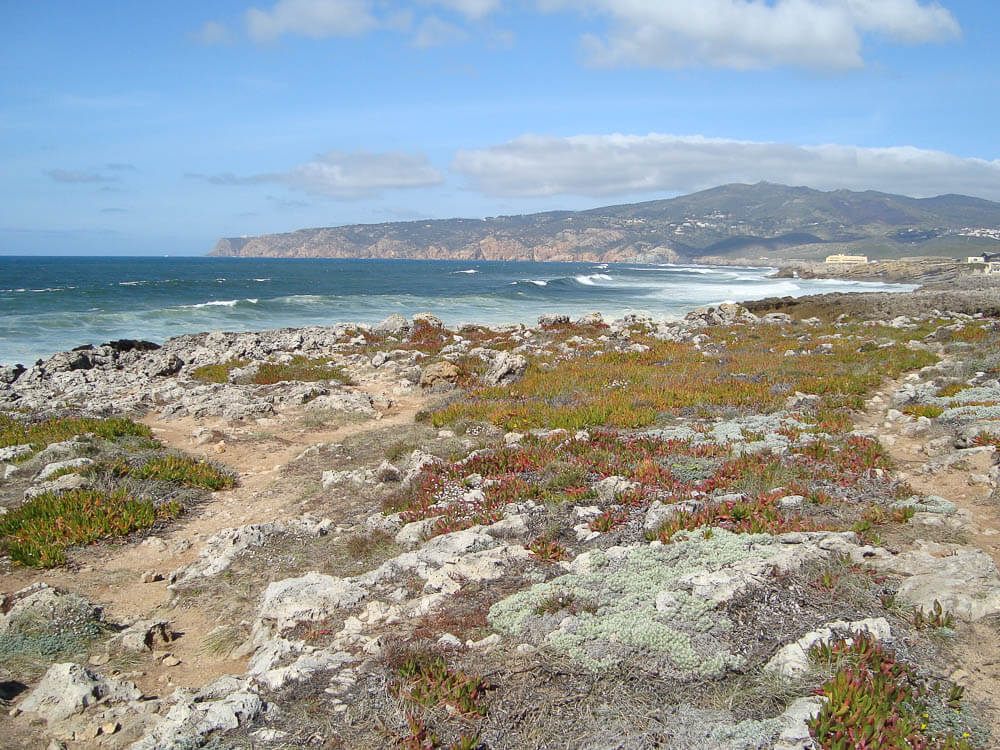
x=763, y=221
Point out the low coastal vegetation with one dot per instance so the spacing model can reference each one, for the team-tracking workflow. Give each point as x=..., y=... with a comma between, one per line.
x=734, y=368
x=38, y=532
x=128, y=485
x=300, y=368
x=39, y=434
x=614, y=544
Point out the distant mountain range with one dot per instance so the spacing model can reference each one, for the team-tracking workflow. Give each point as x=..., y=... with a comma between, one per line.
x=731, y=223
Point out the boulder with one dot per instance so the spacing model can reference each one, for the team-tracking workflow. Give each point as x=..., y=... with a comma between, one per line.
x=68, y=688
x=12, y=452
x=144, y=635
x=793, y=660
x=65, y=483
x=220, y=550
x=394, y=325
x=9, y=375
x=608, y=490
x=311, y=597
x=505, y=368
x=439, y=372
x=56, y=466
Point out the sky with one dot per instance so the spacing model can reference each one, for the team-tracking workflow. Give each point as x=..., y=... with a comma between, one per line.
x=156, y=128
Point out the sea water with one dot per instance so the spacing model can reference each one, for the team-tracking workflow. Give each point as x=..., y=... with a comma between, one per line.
x=52, y=304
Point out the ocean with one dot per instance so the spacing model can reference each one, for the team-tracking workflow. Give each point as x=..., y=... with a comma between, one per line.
x=52, y=304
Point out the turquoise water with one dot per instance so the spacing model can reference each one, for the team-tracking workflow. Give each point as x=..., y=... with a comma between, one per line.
x=52, y=304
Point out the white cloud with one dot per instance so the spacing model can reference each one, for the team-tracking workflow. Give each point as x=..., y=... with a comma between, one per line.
x=212, y=33
x=76, y=176
x=750, y=34
x=433, y=32
x=313, y=18
x=610, y=165
x=345, y=176
x=362, y=173
x=470, y=8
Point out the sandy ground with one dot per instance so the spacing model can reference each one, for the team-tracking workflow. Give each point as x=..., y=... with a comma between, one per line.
x=112, y=575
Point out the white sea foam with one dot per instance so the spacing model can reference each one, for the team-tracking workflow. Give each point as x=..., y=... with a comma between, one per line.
x=468, y=270
x=267, y=279
x=592, y=279
x=308, y=299
x=214, y=303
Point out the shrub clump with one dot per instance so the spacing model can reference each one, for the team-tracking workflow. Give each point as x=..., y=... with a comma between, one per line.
x=189, y=472
x=299, y=368
x=37, y=533
x=875, y=700
x=637, y=603
x=41, y=434
x=37, y=636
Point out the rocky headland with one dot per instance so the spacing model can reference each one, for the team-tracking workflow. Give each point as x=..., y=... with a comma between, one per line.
x=755, y=527
x=763, y=224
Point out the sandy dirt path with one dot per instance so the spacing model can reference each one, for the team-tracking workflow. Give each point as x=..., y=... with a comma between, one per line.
x=975, y=655
x=112, y=574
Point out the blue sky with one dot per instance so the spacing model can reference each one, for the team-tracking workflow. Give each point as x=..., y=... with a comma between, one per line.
x=135, y=128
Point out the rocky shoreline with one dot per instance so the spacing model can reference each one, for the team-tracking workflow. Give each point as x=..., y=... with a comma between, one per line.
x=448, y=538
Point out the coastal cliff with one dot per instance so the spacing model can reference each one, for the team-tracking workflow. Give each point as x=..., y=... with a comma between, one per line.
x=762, y=222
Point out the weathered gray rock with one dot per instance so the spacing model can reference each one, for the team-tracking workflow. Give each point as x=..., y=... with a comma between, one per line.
x=428, y=319
x=68, y=688
x=415, y=464
x=144, y=635
x=394, y=325
x=611, y=488
x=220, y=549
x=348, y=402
x=191, y=718
x=658, y=513
x=590, y=319
x=413, y=534
x=793, y=660
x=505, y=369
x=307, y=598
x=65, y=450
x=963, y=579
x=439, y=372
x=795, y=733
x=65, y=483
x=40, y=601
x=10, y=374
x=725, y=314
x=12, y=452
x=56, y=466
x=549, y=320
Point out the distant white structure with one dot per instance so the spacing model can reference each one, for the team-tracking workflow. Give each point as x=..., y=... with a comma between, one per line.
x=853, y=259
x=986, y=258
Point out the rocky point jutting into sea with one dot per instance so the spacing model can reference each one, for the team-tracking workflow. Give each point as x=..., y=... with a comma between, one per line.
x=711, y=532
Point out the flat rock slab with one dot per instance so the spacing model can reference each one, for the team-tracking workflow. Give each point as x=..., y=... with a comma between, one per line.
x=68, y=688
x=963, y=579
